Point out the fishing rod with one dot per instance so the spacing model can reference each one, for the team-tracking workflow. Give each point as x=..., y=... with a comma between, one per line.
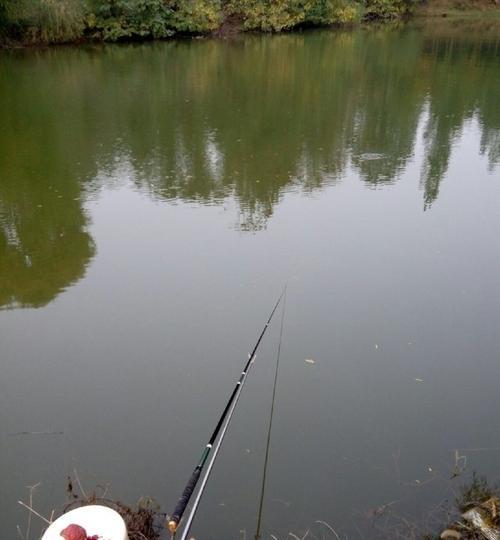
x=224, y=419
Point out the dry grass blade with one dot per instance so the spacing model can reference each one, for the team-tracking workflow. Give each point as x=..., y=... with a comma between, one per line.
x=28, y=528
x=33, y=512
x=77, y=478
x=328, y=527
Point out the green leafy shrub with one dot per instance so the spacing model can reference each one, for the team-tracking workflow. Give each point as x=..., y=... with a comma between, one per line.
x=386, y=9
x=322, y=12
x=196, y=15
x=277, y=15
x=112, y=20
x=269, y=15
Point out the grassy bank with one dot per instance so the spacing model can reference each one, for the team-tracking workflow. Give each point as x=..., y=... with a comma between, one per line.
x=457, y=8
x=31, y=22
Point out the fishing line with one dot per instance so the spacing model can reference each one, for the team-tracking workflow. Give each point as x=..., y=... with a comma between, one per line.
x=222, y=424
x=268, y=444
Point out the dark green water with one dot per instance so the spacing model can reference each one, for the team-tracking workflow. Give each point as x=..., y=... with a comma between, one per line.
x=153, y=201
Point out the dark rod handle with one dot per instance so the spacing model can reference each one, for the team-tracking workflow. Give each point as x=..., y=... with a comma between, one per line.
x=184, y=499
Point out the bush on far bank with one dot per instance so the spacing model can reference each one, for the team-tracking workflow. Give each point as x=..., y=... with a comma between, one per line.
x=62, y=21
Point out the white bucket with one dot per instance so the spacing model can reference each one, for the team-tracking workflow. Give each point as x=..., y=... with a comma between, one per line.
x=96, y=520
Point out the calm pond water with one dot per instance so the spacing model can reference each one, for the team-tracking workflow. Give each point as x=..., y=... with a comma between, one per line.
x=155, y=198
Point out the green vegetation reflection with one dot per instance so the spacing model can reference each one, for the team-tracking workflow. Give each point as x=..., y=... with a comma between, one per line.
x=206, y=120
x=44, y=246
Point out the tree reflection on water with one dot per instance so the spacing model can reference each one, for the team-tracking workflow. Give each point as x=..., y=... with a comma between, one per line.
x=203, y=121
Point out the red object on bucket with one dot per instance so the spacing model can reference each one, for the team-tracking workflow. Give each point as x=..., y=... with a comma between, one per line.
x=76, y=532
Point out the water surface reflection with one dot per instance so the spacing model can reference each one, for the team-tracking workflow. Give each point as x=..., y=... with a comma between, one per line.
x=203, y=121
x=139, y=171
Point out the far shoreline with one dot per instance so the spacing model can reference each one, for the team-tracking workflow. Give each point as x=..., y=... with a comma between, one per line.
x=232, y=27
